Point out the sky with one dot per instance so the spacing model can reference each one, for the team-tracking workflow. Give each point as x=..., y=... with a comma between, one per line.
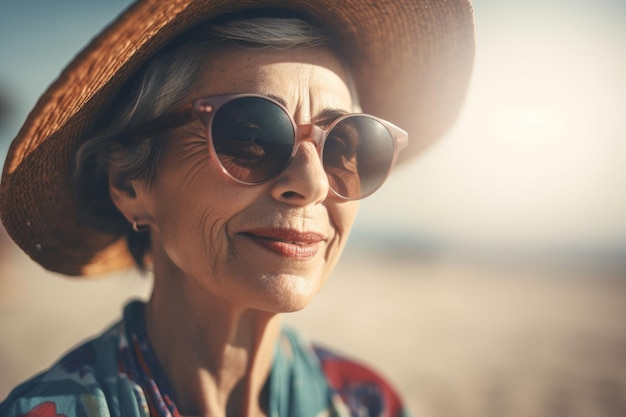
x=536, y=158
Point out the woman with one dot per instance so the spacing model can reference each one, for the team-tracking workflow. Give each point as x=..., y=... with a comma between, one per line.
x=221, y=146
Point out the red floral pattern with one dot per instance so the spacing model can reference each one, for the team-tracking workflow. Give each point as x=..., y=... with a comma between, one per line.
x=360, y=387
x=47, y=409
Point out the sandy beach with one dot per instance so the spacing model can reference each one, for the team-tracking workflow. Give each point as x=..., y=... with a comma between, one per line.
x=457, y=337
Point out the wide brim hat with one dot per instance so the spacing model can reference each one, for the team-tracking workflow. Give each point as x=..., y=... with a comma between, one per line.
x=411, y=61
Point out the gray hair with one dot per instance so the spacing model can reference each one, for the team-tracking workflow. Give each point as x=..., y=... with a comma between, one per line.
x=158, y=87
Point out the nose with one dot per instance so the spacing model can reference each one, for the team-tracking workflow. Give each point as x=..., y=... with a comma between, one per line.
x=304, y=181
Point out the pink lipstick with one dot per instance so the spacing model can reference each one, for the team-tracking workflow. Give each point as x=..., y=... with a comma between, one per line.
x=287, y=242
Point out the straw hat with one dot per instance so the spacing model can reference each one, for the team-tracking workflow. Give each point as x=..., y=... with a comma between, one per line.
x=411, y=61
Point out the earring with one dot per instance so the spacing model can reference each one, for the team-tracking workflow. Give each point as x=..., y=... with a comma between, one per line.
x=139, y=228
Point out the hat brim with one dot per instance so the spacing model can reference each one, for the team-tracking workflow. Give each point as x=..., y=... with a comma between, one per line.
x=411, y=62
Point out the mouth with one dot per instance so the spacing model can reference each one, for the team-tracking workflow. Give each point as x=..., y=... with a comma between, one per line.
x=286, y=242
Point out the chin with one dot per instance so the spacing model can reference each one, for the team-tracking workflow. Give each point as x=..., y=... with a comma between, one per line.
x=290, y=293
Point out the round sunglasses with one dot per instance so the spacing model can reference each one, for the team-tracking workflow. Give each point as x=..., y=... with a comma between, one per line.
x=254, y=138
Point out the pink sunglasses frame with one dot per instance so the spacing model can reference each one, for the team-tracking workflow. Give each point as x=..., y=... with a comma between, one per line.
x=205, y=108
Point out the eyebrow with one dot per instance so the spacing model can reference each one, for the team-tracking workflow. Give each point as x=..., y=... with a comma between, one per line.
x=278, y=99
x=328, y=115
x=325, y=117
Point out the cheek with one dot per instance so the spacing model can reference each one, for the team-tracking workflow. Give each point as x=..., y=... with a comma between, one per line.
x=192, y=230
x=342, y=216
x=193, y=205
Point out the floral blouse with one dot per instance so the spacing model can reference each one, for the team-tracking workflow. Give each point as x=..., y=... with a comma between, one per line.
x=118, y=375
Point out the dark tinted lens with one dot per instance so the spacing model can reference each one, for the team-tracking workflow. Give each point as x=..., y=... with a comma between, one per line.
x=253, y=138
x=357, y=156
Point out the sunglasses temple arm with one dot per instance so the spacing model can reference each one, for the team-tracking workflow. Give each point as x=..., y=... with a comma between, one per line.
x=165, y=122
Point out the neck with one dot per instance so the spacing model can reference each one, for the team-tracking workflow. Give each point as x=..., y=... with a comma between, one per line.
x=217, y=357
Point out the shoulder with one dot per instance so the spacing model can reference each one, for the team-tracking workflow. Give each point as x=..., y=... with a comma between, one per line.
x=80, y=384
x=354, y=385
x=359, y=385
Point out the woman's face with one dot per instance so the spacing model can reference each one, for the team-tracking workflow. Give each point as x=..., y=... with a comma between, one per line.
x=269, y=246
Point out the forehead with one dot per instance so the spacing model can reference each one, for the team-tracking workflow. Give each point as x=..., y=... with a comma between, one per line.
x=311, y=76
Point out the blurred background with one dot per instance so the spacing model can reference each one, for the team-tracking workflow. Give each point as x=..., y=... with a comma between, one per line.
x=486, y=278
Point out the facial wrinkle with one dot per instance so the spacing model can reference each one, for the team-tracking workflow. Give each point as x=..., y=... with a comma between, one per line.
x=210, y=224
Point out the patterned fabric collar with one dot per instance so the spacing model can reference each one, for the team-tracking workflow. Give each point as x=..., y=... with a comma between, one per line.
x=138, y=361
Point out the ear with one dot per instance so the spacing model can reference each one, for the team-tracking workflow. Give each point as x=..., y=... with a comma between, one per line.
x=128, y=197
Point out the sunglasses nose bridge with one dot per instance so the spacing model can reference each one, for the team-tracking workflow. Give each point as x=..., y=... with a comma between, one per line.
x=310, y=133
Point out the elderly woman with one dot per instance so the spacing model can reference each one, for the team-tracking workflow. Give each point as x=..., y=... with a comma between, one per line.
x=223, y=147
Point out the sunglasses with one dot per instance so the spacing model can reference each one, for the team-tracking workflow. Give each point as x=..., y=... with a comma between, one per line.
x=254, y=138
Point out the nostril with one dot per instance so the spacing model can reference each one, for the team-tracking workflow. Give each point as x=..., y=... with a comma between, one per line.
x=289, y=194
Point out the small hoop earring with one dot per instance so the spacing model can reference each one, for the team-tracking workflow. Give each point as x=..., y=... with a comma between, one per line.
x=139, y=228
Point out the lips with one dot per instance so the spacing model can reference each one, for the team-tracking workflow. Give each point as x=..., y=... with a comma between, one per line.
x=286, y=242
